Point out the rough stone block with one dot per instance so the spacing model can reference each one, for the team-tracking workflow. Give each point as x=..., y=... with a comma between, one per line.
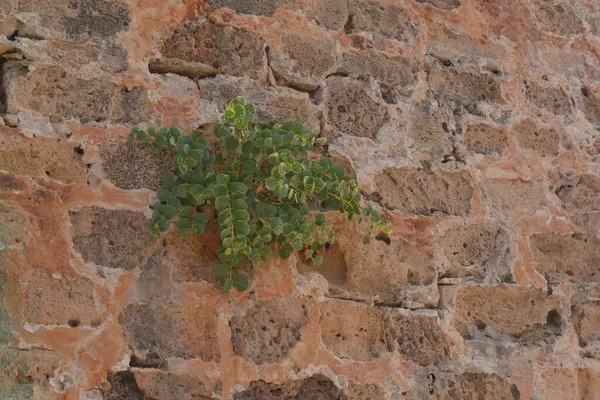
x=278, y=103
x=352, y=330
x=317, y=387
x=590, y=105
x=111, y=238
x=572, y=259
x=228, y=50
x=418, y=338
x=369, y=391
x=160, y=385
x=557, y=17
x=586, y=320
x=135, y=166
x=252, y=7
x=381, y=19
x=512, y=195
x=589, y=384
x=60, y=301
x=395, y=75
x=389, y=273
x=479, y=252
x=122, y=386
x=39, y=157
x=442, y=4
x=12, y=228
x=533, y=137
x=524, y=314
x=579, y=197
x=485, y=139
x=302, y=62
x=352, y=110
x=425, y=191
x=79, y=20
x=548, y=97
x=331, y=14
x=173, y=331
x=455, y=88
x=60, y=95
x=469, y=385
x=267, y=331
x=431, y=130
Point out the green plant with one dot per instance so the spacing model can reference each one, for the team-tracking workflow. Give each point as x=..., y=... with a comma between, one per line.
x=263, y=185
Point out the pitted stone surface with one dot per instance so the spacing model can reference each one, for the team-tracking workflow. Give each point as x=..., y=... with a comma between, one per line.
x=227, y=50
x=360, y=337
x=425, y=192
x=110, y=238
x=175, y=331
x=267, y=331
x=352, y=109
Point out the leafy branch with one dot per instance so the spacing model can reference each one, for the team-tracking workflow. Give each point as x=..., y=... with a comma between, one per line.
x=262, y=185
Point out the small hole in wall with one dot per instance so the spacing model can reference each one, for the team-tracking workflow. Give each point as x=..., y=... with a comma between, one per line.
x=553, y=318
x=585, y=91
x=74, y=323
x=79, y=150
x=384, y=238
x=47, y=173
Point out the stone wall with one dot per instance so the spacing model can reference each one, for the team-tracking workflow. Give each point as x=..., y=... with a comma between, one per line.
x=473, y=125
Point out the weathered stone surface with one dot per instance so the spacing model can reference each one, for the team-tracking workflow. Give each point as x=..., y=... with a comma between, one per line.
x=479, y=252
x=589, y=383
x=54, y=299
x=524, y=314
x=591, y=105
x=431, y=131
x=389, y=273
x=352, y=330
x=11, y=226
x=123, y=386
x=381, y=19
x=317, y=387
x=485, y=139
x=252, y=7
x=135, y=166
x=442, y=4
x=160, y=385
x=281, y=104
x=110, y=238
x=174, y=331
x=395, y=75
x=418, y=338
x=533, y=137
x=266, y=332
x=513, y=195
x=363, y=392
x=466, y=386
x=425, y=191
x=557, y=17
x=586, y=319
x=567, y=259
x=78, y=56
x=332, y=14
x=548, y=97
x=456, y=88
x=301, y=62
x=228, y=50
x=579, y=197
x=352, y=110
x=79, y=20
x=60, y=95
x=56, y=159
